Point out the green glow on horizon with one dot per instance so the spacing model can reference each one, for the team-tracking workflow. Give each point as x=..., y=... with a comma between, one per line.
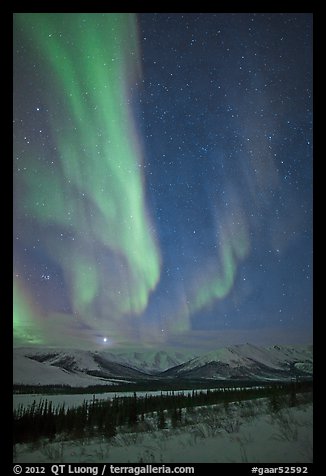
x=95, y=192
x=25, y=328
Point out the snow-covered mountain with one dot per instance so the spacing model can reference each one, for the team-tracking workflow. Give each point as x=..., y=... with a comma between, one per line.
x=84, y=368
x=247, y=361
x=47, y=366
x=151, y=362
x=30, y=371
x=70, y=367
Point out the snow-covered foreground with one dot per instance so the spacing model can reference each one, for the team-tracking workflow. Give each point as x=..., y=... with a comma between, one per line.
x=237, y=432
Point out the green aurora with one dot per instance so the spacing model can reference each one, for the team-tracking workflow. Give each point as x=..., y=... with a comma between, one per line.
x=95, y=193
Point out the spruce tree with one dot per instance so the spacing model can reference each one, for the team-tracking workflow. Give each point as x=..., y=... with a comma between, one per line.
x=161, y=424
x=132, y=417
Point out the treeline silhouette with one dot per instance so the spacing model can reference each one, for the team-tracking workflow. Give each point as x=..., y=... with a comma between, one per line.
x=140, y=386
x=103, y=417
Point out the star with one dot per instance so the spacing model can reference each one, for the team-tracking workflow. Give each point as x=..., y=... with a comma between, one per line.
x=180, y=192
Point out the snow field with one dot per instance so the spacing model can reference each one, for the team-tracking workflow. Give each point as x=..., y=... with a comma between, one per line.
x=246, y=431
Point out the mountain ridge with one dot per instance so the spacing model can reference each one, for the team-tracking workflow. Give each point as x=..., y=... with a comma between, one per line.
x=47, y=366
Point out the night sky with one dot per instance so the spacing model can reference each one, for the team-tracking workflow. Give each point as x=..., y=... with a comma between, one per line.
x=162, y=179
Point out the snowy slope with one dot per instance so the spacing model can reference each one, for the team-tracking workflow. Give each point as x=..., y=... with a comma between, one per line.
x=74, y=360
x=62, y=367
x=48, y=366
x=150, y=361
x=83, y=368
x=30, y=372
x=248, y=361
